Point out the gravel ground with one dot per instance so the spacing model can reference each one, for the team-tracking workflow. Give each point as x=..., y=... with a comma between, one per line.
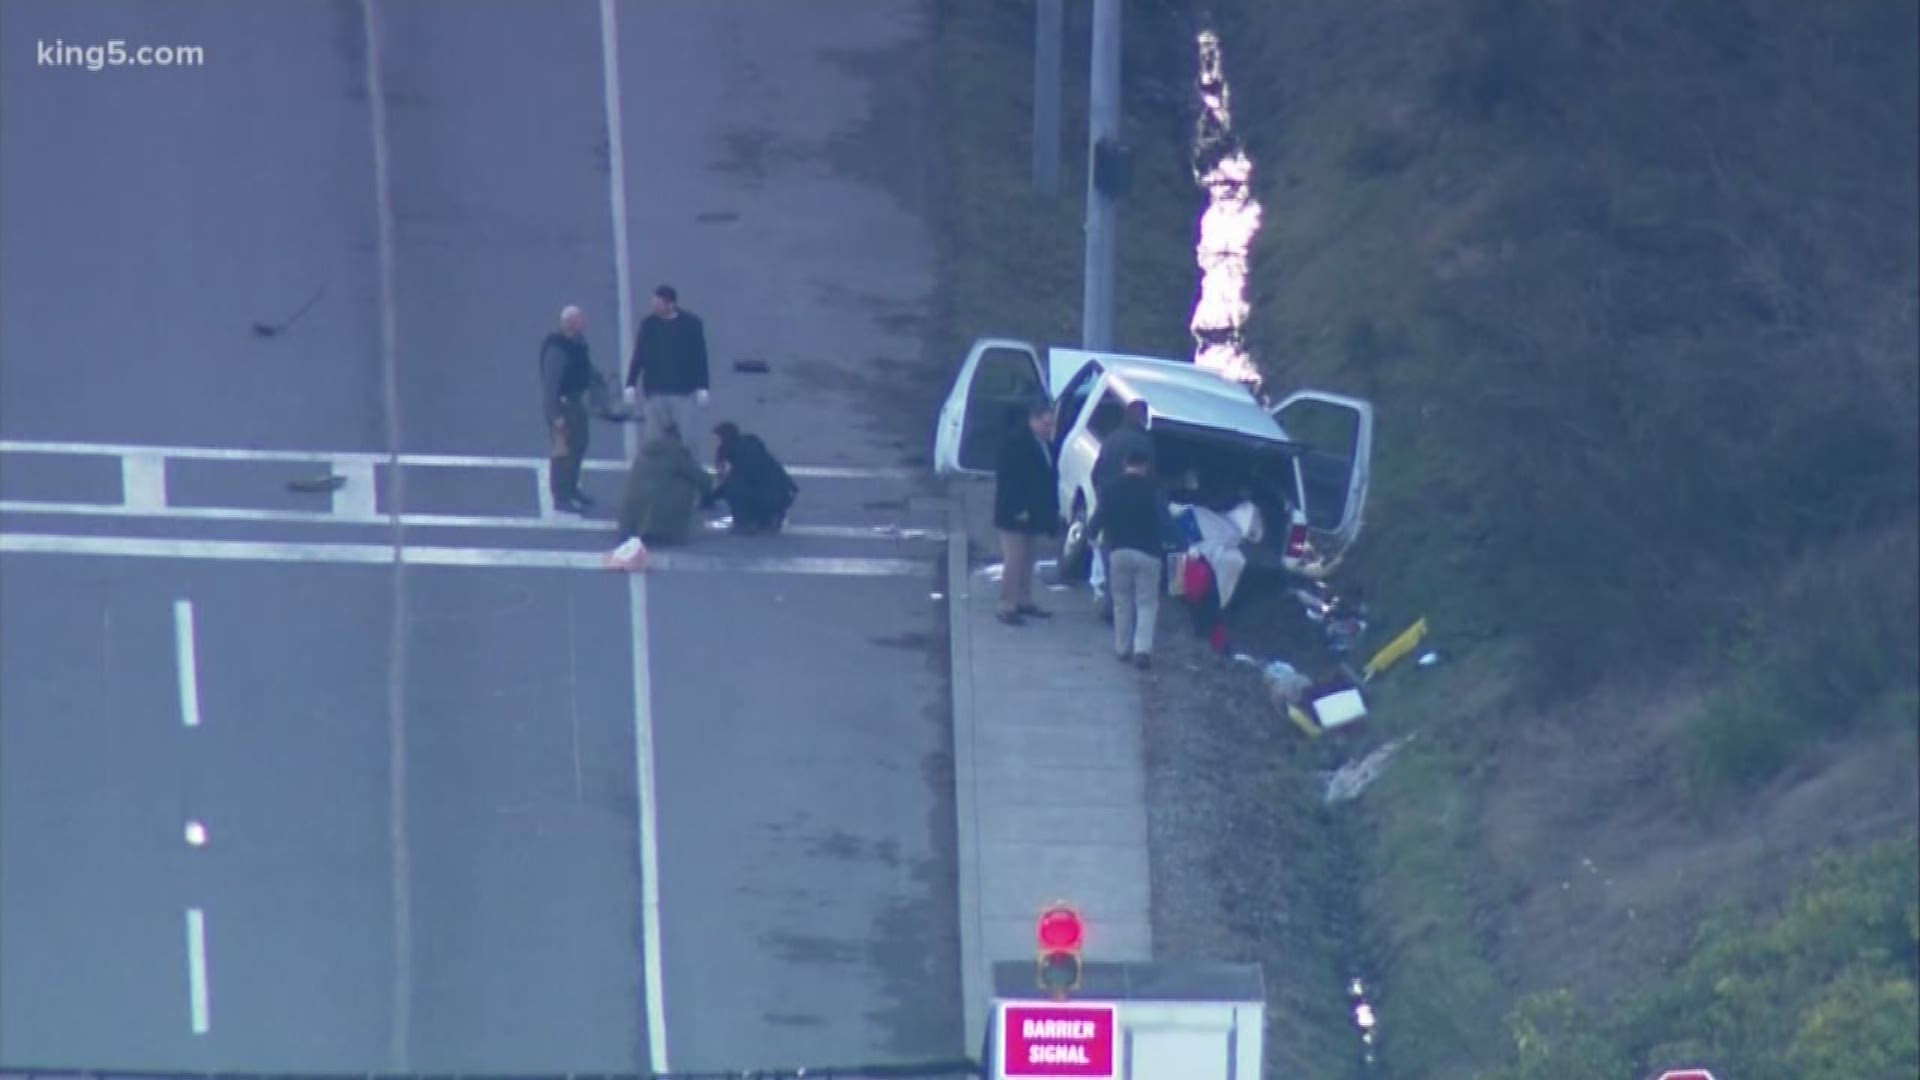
x=1246, y=862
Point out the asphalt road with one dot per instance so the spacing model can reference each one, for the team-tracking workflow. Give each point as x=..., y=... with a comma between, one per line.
x=490, y=912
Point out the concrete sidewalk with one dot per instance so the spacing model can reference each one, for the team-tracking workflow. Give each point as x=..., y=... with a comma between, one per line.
x=1050, y=783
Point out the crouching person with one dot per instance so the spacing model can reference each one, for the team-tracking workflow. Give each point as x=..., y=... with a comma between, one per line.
x=664, y=485
x=755, y=486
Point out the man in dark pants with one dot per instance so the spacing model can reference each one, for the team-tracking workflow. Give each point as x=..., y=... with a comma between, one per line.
x=1026, y=507
x=669, y=362
x=566, y=374
x=664, y=485
x=755, y=486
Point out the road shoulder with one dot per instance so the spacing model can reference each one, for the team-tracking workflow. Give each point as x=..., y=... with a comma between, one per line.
x=1050, y=780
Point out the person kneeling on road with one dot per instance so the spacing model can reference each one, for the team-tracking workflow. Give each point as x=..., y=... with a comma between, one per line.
x=1136, y=525
x=664, y=485
x=756, y=487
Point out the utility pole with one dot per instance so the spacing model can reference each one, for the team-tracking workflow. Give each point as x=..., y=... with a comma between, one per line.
x=1047, y=22
x=1106, y=176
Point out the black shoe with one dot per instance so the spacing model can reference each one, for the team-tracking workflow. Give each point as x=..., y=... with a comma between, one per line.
x=1033, y=612
x=1125, y=658
x=570, y=505
x=1011, y=618
x=583, y=498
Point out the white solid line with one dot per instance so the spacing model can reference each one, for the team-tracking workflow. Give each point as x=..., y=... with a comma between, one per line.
x=197, y=995
x=543, y=490
x=489, y=558
x=359, y=496
x=617, y=188
x=650, y=937
x=143, y=481
x=427, y=521
x=400, y=1031
x=186, y=663
x=458, y=461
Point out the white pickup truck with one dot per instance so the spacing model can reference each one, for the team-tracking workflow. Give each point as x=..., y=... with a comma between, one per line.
x=1304, y=462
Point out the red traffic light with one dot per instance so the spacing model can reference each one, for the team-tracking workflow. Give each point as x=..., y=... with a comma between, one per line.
x=1061, y=929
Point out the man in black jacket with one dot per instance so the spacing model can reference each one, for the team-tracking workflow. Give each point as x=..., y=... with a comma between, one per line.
x=1115, y=448
x=566, y=374
x=755, y=486
x=1026, y=507
x=1134, y=522
x=669, y=362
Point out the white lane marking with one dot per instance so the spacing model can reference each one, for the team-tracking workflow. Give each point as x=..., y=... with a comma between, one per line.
x=143, y=480
x=490, y=558
x=197, y=993
x=186, y=663
x=424, y=521
x=400, y=1033
x=543, y=491
x=617, y=204
x=450, y=461
x=650, y=937
x=359, y=496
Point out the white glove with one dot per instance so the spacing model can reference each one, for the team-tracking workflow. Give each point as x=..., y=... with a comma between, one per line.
x=629, y=394
x=700, y=396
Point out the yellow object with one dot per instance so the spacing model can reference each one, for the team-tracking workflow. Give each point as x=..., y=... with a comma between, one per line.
x=1397, y=649
x=1303, y=719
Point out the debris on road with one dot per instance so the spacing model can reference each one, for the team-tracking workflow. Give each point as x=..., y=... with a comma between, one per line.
x=1327, y=707
x=271, y=330
x=317, y=485
x=1284, y=682
x=1397, y=649
x=1349, y=780
x=630, y=556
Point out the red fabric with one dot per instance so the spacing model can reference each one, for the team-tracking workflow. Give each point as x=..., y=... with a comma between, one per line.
x=1196, y=580
x=1218, y=638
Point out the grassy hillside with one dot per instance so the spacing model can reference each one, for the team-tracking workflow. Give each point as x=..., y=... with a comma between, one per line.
x=1633, y=286
x=1633, y=289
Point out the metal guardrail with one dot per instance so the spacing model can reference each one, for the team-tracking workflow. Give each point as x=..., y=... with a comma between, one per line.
x=954, y=1069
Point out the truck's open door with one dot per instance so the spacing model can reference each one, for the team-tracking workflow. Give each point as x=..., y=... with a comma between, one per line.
x=1337, y=433
x=998, y=378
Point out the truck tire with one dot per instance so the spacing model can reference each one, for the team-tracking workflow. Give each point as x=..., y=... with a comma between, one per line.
x=1076, y=549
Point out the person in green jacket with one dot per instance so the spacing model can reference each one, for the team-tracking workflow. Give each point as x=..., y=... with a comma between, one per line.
x=664, y=485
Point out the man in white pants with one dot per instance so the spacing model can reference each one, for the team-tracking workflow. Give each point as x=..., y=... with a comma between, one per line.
x=1132, y=522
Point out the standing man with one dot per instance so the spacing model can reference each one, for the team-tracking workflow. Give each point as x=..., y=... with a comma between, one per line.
x=1119, y=444
x=1134, y=520
x=669, y=362
x=566, y=374
x=1026, y=507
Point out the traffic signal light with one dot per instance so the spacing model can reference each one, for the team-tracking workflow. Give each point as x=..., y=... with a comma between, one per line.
x=1060, y=933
